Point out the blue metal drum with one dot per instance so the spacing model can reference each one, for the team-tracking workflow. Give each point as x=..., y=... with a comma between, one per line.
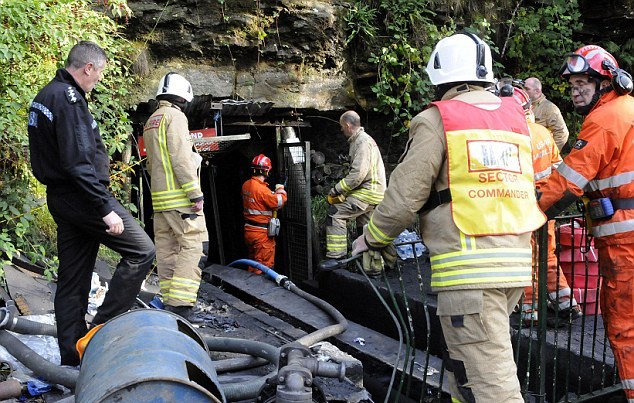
x=147, y=355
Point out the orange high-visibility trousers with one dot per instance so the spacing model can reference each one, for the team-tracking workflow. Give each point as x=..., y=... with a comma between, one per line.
x=260, y=247
x=558, y=288
x=616, y=263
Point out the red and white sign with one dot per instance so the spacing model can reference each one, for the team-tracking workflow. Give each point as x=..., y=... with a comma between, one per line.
x=196, y=135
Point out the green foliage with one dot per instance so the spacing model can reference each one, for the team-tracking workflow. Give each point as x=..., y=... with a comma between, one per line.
x=540, y=35
x=406, y=40
x=34, y=43
x=360, y=22
x=402, y=33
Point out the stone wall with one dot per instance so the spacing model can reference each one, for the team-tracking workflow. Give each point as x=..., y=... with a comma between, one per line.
x=290, y=52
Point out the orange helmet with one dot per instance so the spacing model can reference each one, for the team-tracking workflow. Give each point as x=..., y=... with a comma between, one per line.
x=261, y=162
x=588, y=60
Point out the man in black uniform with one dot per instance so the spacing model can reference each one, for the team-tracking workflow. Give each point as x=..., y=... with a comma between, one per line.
x=69, y=157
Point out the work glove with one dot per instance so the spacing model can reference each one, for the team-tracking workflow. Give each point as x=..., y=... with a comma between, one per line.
x=279, y=189
x=333, y=192
x=389, y=256
x=372, y=262
x=359, y=246
x=335, y=199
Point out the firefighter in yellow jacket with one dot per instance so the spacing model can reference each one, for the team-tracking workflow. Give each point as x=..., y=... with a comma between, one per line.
x=354, y=196
x=179, y=222
x=467, y=172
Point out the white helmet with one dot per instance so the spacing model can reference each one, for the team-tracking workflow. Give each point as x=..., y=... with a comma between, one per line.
x=459, y=58
x=175, y=84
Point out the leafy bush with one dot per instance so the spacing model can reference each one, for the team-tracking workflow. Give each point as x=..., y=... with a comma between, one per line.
x=35, y=42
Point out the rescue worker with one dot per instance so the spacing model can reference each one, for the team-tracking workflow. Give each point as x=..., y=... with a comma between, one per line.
x=260, y=204
x=547, y=113
x=467, y=172
x=356, y=195
x=177, y=199
x=546, y=158
x=600, y=166
x=69, y=157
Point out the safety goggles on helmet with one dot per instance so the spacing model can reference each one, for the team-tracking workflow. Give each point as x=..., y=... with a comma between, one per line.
x=574, y=64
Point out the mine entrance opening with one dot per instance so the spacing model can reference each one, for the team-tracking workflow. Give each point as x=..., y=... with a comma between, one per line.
x=228, y=134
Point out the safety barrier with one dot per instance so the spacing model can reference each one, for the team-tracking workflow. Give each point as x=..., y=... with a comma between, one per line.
x=560, y=357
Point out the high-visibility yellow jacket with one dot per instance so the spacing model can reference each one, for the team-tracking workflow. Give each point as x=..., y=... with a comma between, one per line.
x=171, y=160
x=459, y=261
x=366, y=180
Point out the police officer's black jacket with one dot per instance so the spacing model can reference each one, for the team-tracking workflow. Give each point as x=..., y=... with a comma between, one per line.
x=67, y=152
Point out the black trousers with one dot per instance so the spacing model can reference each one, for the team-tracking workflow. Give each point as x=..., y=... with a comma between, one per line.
x=80, y=231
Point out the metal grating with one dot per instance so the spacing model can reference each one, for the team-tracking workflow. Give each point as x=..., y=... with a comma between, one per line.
x=208, y=146
x=297, y=219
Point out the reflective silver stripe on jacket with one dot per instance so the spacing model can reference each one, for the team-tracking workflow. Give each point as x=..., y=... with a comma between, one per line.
x=621, y=179
x=280, y=201
x=543, y=174
x=258, y=212
x=613, y=228
x=572, y=176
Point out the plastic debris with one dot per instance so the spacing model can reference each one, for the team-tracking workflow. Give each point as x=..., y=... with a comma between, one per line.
x=37, y=387
x=360, y=341
x=157, y=302
x=405, y=251
x=96, y=295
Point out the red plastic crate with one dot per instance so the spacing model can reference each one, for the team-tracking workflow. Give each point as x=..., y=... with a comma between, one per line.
x=591, y=308
x=576, y=281
x=570, y=254
x=572, y=237
x=588, y=299
x=579, y=268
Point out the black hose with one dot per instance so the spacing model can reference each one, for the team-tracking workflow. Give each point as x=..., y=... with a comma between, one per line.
x=249, y=389
x=251, y=347
x=238, y=364
x=20, y=325
x=329, y=331
x=50, y=372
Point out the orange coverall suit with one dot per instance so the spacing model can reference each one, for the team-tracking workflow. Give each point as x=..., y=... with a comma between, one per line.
x=546, y=158
x=259, y=202
x=601, y=164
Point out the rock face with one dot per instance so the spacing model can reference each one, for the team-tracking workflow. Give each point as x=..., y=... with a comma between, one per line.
x=290, y=52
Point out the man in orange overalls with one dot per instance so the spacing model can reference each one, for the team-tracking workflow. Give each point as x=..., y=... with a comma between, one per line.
x=259, y=204
x=601, y=167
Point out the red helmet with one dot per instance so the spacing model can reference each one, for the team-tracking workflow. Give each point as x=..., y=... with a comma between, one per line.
x=522, y=98
x=588, y=60
x=262, y=162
